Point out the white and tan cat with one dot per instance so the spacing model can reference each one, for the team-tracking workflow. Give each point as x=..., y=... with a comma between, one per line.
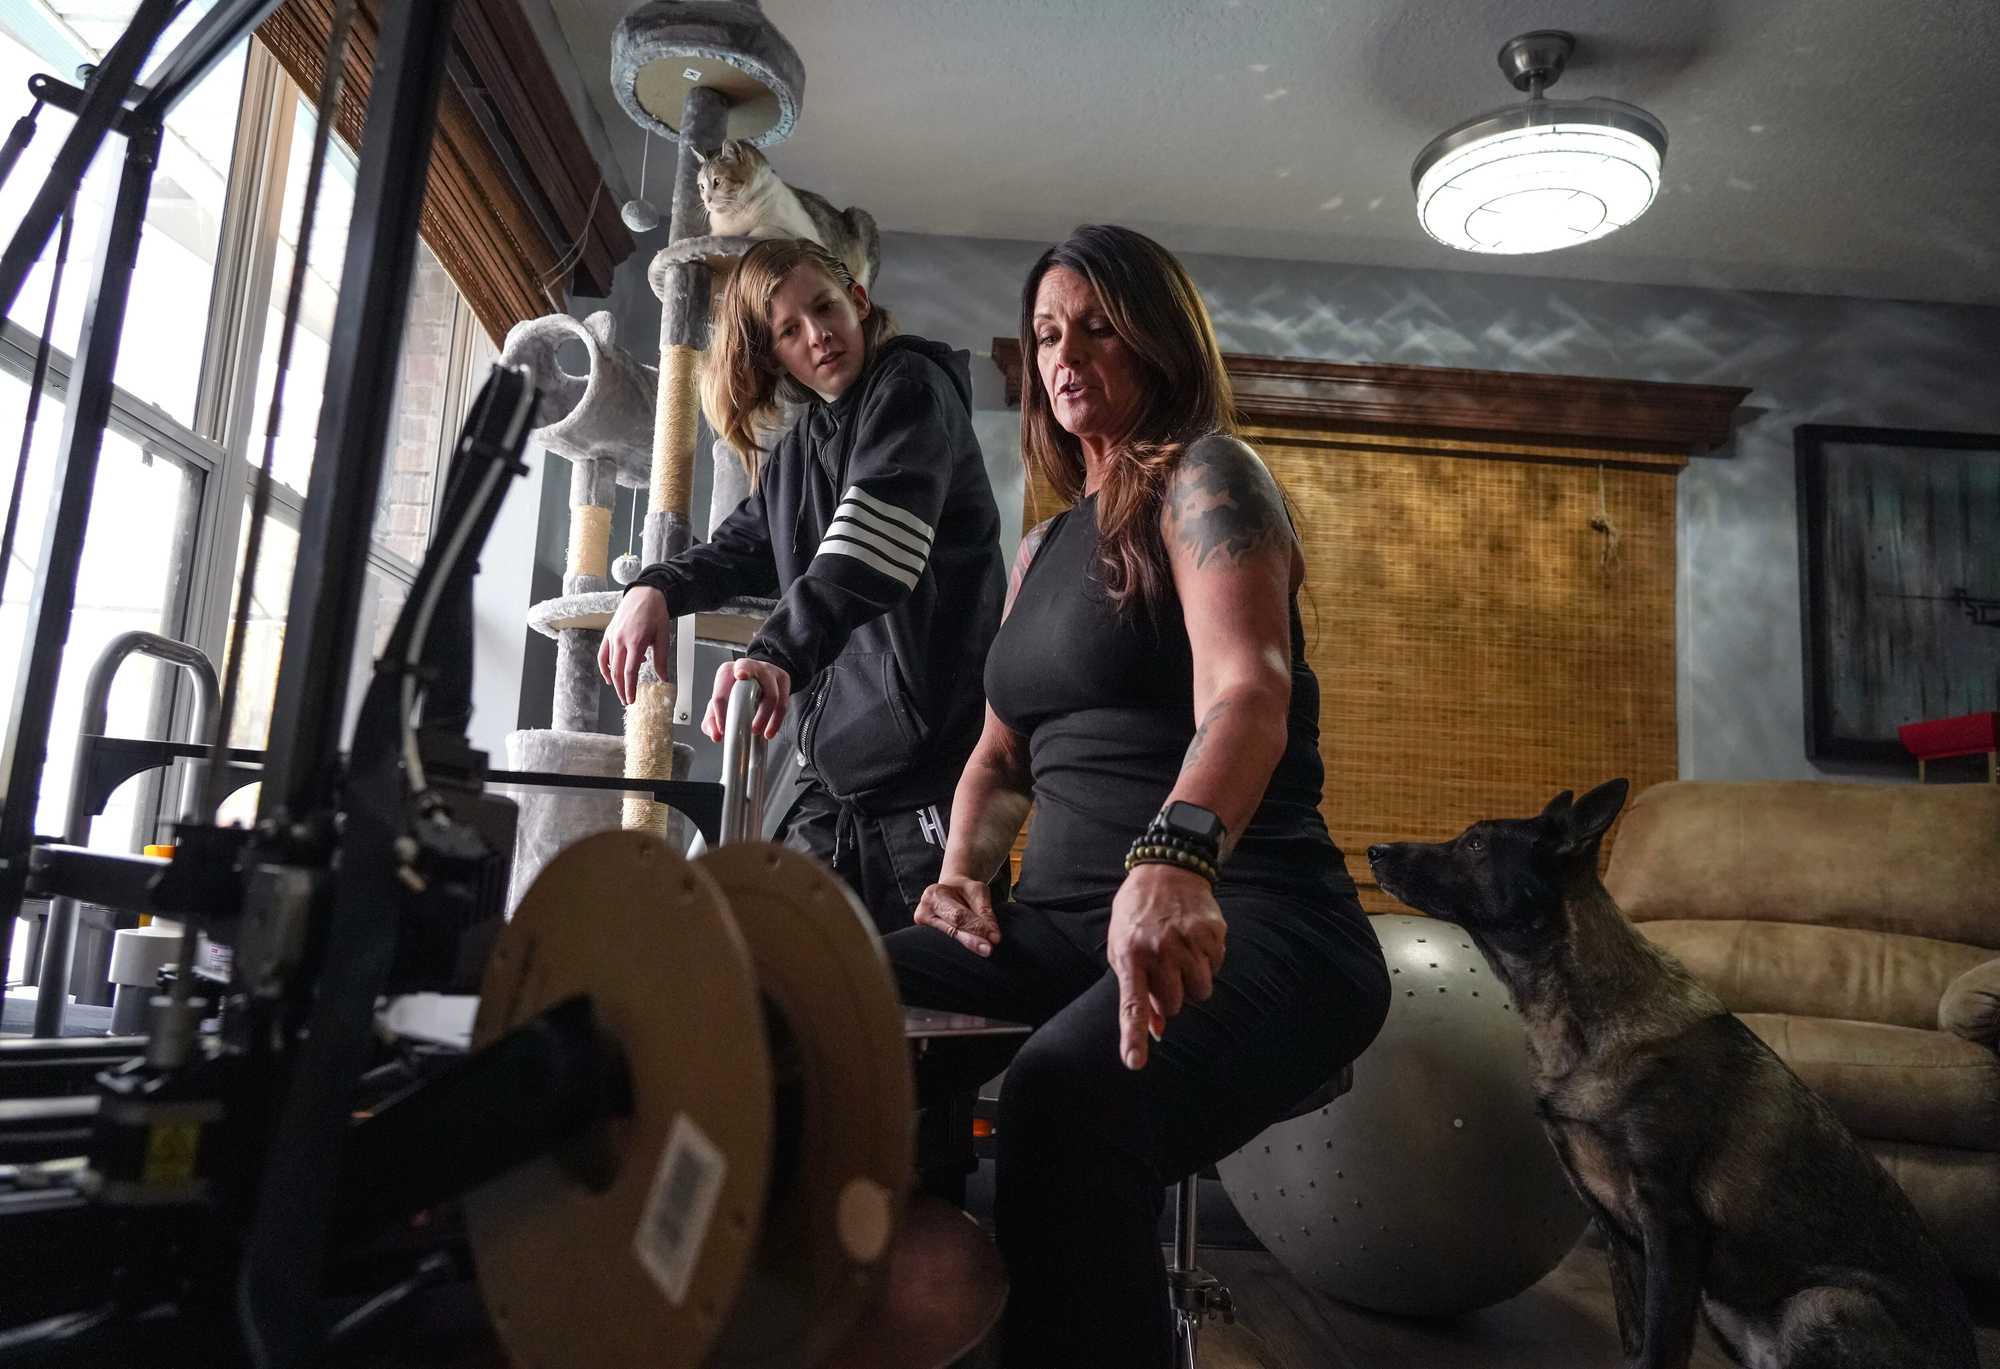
x=746, y=198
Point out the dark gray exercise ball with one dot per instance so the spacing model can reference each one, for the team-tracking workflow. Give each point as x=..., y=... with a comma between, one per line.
x=1429, y=1188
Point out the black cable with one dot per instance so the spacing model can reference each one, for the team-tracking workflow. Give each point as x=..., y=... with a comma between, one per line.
x=110, y=82
x=482, y=463
x=18, y=139
x=35, y=393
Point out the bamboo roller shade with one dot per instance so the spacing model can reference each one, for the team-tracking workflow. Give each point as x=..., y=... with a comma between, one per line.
x=1475, y=650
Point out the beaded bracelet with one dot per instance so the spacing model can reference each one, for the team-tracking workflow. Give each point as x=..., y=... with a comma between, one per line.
x=1158, y=835
x=1145, y=852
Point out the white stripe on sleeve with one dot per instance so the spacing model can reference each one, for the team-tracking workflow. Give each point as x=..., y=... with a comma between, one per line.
x=849, y=530
x=869, y=504
x=835, y=546
x=895, y=534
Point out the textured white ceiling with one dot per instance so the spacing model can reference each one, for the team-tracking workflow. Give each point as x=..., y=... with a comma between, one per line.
x=1847, y=147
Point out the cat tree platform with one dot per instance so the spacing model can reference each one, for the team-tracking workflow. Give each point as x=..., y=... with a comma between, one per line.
x=730, y=625
x=661, y=52
x=589, y=612
x=602, y=414
x=717, y=251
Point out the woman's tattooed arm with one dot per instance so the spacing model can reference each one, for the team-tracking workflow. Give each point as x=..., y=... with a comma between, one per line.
x=1231, y=546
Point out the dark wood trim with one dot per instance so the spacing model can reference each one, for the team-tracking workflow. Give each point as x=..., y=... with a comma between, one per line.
x=512, y=180
x=1467, y=446
x=1440, y=399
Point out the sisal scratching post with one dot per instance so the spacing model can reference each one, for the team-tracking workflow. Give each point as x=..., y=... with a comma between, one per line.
x=649, y=721
x=697, y=74
x=680, y=416
x=649, y=752
x=592, y=486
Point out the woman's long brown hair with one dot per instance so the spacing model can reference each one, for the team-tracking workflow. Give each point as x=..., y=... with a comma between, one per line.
x=744, y=387
x=1153, y=305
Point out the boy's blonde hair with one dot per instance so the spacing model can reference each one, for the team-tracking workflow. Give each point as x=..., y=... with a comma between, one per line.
x=744, y=387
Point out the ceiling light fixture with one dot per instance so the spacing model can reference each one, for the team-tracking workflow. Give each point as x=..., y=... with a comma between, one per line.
x=1543, y=175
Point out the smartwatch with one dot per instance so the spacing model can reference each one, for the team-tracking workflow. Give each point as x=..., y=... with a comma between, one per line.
x=1193, y=823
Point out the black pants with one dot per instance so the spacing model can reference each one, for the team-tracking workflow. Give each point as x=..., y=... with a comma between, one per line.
x=1087, y=1147
x=887, y=859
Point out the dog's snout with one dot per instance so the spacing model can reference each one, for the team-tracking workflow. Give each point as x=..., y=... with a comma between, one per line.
x=1376, y=852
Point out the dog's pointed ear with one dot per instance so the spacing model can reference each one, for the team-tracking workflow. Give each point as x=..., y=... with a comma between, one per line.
x=1557, y=813
x=1594, y=813
x=1552, y=827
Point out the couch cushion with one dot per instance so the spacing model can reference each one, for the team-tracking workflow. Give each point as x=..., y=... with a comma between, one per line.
x=1918, y=859
x=1893, y=1083
x=1784, y=967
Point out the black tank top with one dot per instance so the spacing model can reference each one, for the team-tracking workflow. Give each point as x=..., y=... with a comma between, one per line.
x=1106, y=702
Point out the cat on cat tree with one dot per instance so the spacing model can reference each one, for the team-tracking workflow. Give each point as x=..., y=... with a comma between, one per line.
x=746, y=198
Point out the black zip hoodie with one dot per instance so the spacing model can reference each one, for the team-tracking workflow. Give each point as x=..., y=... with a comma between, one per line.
x=874, y=522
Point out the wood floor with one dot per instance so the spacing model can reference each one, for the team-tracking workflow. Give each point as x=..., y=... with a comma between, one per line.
x=1563, y=1322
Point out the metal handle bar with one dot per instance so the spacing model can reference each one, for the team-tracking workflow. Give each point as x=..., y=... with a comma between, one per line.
x=59, y=940
x=743, y=769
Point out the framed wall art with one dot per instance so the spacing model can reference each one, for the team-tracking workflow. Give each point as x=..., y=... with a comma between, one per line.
x=1899, y=545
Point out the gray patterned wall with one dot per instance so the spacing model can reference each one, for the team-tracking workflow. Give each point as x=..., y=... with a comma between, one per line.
x=1807, y=359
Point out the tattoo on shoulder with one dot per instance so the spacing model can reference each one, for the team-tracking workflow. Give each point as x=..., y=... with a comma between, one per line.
x=1031, y=542
x=1221, y=499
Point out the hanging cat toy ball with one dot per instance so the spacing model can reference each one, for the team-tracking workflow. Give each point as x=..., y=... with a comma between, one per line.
x=639, y=213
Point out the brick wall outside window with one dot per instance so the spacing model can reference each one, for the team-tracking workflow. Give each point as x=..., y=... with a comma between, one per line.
x=403, y=513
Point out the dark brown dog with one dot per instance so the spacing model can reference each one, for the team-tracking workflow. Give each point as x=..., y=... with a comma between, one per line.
x=1719, y=1180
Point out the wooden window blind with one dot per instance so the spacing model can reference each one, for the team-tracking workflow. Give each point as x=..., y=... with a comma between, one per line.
x=514, y=206
x=1479, y=644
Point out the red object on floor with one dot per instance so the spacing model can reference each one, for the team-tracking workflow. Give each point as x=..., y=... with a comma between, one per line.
x=1937, y=739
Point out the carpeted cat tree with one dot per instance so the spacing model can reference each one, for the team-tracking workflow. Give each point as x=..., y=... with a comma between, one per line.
x=696, y=71
x=599, y=421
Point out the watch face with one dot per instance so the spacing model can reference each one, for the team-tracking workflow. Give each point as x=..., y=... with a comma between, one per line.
x=1193, y=819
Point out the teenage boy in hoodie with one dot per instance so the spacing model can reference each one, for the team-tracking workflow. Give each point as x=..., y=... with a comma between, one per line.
x=872, y=520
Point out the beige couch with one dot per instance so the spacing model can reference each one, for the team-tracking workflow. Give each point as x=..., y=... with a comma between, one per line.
x=1856, y=929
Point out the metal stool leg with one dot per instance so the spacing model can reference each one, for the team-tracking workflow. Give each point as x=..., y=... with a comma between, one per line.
x=1196, y=1296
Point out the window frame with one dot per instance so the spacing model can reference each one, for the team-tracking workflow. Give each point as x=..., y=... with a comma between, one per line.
x=221, y=448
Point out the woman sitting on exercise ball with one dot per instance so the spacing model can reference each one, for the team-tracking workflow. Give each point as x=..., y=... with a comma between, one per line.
x=1148, y=691
x=871, y=517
